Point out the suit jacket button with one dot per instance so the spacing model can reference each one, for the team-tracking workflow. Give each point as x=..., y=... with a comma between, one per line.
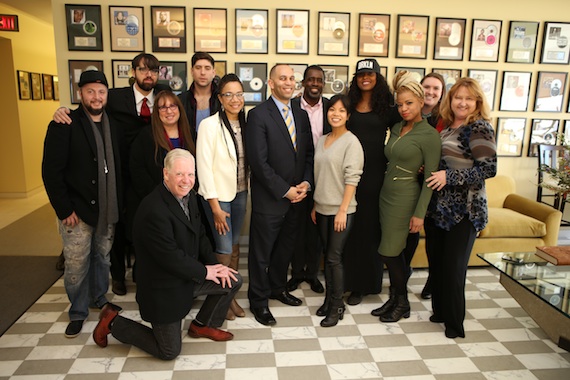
x=93, y=201
x=93, y=181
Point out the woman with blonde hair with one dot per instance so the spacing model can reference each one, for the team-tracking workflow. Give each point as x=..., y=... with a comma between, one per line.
x=458, y=211
x=413, y=143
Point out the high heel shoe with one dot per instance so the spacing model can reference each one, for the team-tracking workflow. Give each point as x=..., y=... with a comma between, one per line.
x=400, y=310
x=388, y=305
x=333, y=316
x=324, y=309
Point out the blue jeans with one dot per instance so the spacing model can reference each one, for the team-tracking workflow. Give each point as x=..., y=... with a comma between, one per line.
x=236, y=209
x=86, y=276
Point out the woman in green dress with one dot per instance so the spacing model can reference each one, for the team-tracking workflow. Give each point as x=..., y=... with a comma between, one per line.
x=413, y=143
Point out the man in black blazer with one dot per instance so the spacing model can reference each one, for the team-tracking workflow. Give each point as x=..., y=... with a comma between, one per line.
x=175, y=263
x=81, y=170
x=306, y=259
x=129, y=116
x=280, y=153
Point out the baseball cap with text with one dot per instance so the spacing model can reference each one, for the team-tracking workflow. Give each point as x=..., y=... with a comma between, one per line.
x=367, y=65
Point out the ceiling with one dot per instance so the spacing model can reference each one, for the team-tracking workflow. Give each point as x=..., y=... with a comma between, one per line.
x=37, y=8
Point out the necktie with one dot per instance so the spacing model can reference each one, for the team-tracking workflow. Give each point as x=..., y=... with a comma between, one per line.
x=145, y=111
x=290, y=126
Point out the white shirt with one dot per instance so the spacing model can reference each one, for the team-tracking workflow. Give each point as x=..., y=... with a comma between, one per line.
x=139, y=99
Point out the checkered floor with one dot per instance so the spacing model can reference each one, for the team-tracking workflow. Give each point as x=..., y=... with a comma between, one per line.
x=502, y=343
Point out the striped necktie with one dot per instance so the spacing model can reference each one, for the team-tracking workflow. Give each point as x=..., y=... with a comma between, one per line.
x=290, y=126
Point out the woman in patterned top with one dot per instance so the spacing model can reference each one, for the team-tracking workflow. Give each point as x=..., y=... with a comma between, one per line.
x=458, y=210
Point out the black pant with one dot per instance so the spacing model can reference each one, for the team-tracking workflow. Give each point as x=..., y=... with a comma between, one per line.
x=334, y=243
x=164, y=340
x=119, y=251
x=306, y=258
x=271, y=243
x=449, y=253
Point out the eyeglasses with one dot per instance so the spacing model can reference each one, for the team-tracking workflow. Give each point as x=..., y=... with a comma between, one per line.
x=230, y=95
x=172, y=107
x=146, y=70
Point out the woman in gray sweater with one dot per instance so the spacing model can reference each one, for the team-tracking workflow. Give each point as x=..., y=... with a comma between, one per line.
x=339, y=160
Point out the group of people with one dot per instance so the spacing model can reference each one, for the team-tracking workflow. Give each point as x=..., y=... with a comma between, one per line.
x=169, y=177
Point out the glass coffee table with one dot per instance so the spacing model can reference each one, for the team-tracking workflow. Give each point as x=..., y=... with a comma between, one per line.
x=542, y=290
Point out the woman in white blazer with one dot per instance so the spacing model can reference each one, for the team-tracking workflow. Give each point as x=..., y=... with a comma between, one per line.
x=223, y=174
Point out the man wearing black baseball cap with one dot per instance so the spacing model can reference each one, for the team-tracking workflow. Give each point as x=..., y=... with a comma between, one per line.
x=81, y=172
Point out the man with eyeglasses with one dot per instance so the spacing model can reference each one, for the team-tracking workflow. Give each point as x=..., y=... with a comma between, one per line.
x=129, y=110
x=305, y=263
x=201, y=100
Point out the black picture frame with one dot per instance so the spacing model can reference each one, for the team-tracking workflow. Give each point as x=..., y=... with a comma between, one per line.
x=251, y=31
x=413, y=34
x=211, y=30
x=555, y=46
x=126, y=26
x=450, y=76
x=485, y=40
x=36, y=80
x=84, y=30
x=334, y=33
x=336, y=80
x=449, y=42
x=175, y=76
x=122, y=73
x=550, y=89
x=168, y=29
x=542, y=131
x=373, y=35
x=488, y=81
x=515, y=91
x=24, y=85
x=253, y=75
x=521, y=47
x=47, y=86
x=298, y=71
x=292, y=31
x=510, y=136
x=417, y=72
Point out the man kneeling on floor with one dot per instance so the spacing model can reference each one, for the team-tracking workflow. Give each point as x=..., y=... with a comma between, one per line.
x=175, y=262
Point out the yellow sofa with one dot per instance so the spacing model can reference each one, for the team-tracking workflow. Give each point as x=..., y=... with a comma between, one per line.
x=516, y=224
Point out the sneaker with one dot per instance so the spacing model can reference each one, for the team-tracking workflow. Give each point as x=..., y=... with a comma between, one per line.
x=73, y=329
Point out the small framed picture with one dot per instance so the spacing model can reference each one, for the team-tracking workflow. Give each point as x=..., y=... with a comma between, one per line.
x=174, y=75
x=543, y=131
x=510, y=136
x=47, y=85
x=412, y=36
x=566, y=131
x=336, y=80
x=253, y=75
x=417, y=72
x=168, y=29
x=292, y=31
x=24, y=88
x=373, y=35
x=522, y=41
x=76, y=67
x=83, y=27
x=449, y=39
x=251, y=31
x=488, y=81
x=485, y=38
x=122, y=75
x=210, y=30
x=36, y=86
x=555, y=47
x=127, y=28
x=550, y=90
x=298, y=70
x=55, y=87
x=220, y=67
x=450, y=76
x=334, y=33
x=515, y=92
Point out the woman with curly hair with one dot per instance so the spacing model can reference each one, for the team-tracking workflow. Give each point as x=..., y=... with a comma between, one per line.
x=372, y=113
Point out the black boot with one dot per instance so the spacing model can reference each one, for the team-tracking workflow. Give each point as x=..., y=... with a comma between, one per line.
x=401, y=309
x=324, y=309
x=335, y=313
x=388, y=305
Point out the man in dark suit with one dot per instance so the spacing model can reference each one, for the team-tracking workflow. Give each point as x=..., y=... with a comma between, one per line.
x=306, y=259
x=129, y=110
x=280, y=154
x=175, y=263
x=81, y=172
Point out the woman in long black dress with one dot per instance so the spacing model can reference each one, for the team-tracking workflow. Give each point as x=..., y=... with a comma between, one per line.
x=372, y=113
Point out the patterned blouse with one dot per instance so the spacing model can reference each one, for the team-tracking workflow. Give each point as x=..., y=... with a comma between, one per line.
x=469, y=156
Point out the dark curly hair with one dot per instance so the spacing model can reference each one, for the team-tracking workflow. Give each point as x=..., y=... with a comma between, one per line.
x=382, y=98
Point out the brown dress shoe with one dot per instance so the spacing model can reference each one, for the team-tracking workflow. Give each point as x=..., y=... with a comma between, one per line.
x=213, y=333
x=103, y=328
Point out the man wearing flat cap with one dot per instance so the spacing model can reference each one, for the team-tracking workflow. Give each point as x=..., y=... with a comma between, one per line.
x=81, y=171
